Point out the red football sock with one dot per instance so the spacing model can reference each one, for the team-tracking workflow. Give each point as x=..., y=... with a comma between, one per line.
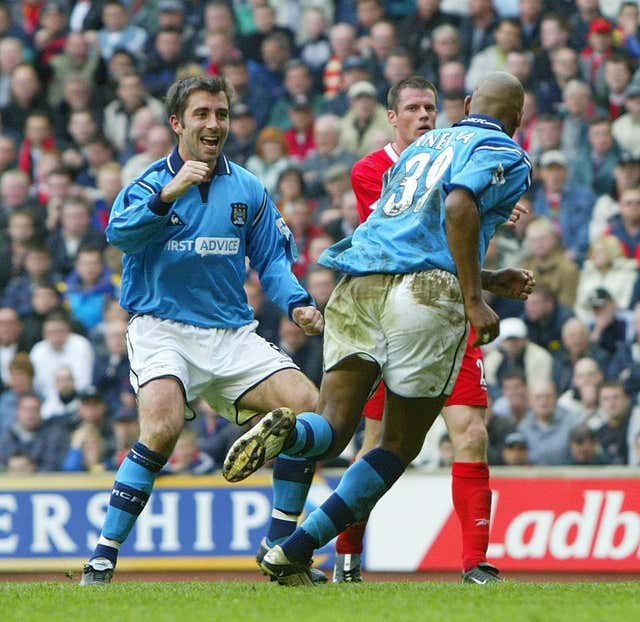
x=350, y=540
x=472, y=503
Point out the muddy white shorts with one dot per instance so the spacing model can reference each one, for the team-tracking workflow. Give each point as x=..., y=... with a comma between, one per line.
x=218, y=364
x=412, y=325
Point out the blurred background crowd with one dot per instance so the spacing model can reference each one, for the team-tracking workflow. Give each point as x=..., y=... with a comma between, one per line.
x=82, y=114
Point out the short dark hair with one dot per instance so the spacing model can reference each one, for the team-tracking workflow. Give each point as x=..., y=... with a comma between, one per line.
x=180, y=91
x=412, y=82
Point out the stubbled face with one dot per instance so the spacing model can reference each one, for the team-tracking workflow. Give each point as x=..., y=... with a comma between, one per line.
x=416, y=114
x=204, y=126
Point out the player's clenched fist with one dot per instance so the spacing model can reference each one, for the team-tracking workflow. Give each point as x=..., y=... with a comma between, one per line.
x=192, y=173
x=485, y=321
x=309, y=319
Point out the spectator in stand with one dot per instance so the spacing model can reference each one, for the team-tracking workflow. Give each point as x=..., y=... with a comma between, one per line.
x=8, y=153
x=595, y=163
x=315, y=49
x=452, y=109
x=269, y=74
x=45, y=299
x=14, y=196
x=626, y=226
x=477, y=28
x=21, y=464
x=508, y=37
x=564, y=69
x=513, y=403
x=580, y=22
x=162, y=63
x=566, y=204
x=215, y=433
x=303, y=350
x=616, y=411
x=365, y=127
x=61, y=347
x=117, y=32
x=625, y=363
x=416, y=30
x=89, y=287
x=82, y=128
x=241, y=144
x=520, y=64
x=158, y=144
x=121, y=63
x=44, y=441
x=290, y=188
x=328, y=153
x=187, y=458
x=451, y=76
x=271, y=157
x=78, y=96
x=629, y=28
x=581, y=398
x=264, y=19
x=584, y=447
x=298, y=84
x=354, y=69
x=548, y=261
x=12, y=54
x=608, y=328
x=554, y=34
x=514, y=351
x=445, y=46
x=49, y=39
x=626, y=128
x=516, y=450
x=11, y=341
x=220, y=50
x=91, y=444
x=320, y=283
x=131, y=96
x=498, y=428
x=299, y=218
x=578, y=108
x=346, y=223
x=65, y=399
x=342, y=38
x=547, y=137
x=266, y=312
x=544, y=317
x=248, y=92
x=594, y=56
x=141, y=123
x=97, y=153
x=530, y=21
x=38, y=139
x=21, y=232
x=126, y=429
x=111, y=368
x=57, y=188
x=617, y=77
x=376, y=49
x=607, y=267
x=336, y=181
x=77, y=60
x=575, y=346
x=26, y=96
x=19, y=382
x=399, y=66
x=547, y=427
x=75, y=231
x=299, y=137
x=37, y=270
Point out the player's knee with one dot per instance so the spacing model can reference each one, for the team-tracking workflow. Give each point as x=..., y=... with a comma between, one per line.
x=473, y=440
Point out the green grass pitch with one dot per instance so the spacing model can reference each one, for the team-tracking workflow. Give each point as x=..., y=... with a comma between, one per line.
x=367, y=602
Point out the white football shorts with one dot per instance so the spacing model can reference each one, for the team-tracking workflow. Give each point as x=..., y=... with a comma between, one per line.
x=217, y=364
x=412, y=325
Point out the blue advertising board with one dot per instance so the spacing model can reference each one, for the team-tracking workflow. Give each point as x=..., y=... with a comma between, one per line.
x=189, y=523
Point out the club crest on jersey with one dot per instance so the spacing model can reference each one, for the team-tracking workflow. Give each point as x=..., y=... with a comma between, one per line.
x=239, y=214
x=175, y=220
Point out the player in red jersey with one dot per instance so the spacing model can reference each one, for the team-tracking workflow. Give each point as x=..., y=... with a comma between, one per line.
x=412, y=112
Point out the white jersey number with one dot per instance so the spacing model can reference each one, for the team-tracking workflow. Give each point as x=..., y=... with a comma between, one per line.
x=421, y=177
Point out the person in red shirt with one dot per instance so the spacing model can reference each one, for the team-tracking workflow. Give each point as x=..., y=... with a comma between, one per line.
x=412, y=112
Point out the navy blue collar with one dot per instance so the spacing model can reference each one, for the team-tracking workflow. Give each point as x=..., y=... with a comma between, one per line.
x=482, y=120
x=175, y=162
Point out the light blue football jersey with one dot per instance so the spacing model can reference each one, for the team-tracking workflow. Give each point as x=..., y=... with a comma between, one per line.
x=186, y=261
x=407, y=232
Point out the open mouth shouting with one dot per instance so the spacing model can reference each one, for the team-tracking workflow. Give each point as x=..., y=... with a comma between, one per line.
x=210, y=143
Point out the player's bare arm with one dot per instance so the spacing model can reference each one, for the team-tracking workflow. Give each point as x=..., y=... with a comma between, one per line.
x=192, y=173
x=309, y=319
x=509, y=282
x=463, y=231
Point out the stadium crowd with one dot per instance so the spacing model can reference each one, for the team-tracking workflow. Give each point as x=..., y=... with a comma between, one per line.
x=82, y=114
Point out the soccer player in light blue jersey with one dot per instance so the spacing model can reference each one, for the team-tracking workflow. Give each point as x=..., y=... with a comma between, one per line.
x=413, y=279
x=187, y=226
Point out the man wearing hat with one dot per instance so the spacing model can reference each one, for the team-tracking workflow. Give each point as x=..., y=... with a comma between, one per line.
x=299, y=136
x=516, y=450
x=365, y=127
x=566, y=204
x=241, y=144
x=608, y=330
x=354, y=69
